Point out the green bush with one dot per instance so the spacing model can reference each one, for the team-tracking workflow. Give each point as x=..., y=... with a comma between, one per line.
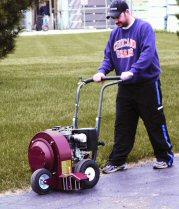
x=11, y=13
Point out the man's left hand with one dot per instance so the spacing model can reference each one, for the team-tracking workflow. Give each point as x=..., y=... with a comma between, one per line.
x=126, y=75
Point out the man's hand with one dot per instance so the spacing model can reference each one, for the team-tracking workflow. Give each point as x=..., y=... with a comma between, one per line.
x=98, y=77
x=126, y=75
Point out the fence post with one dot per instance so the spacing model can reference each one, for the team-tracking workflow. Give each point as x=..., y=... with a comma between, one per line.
x=166, y=16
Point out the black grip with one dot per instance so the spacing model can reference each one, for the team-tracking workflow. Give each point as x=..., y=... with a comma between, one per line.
x=90, y=80
x=112, y=78
x=109, y=78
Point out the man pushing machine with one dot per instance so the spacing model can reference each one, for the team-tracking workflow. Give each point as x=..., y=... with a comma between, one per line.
x=131, y=52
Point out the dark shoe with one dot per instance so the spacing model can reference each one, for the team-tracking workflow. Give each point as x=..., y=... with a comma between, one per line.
x=109, y=168
x=160, y=165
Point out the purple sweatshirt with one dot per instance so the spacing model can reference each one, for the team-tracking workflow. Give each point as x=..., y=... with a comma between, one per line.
x=134, y=50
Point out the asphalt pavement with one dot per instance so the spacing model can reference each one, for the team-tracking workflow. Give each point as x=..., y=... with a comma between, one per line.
x=139, y=187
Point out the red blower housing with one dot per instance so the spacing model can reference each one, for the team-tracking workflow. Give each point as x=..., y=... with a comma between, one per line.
x=60, y=159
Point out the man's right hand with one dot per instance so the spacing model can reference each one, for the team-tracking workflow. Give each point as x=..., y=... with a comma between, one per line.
x=98, y=77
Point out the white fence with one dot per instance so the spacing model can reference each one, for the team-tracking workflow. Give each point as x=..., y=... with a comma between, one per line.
x=160, y=13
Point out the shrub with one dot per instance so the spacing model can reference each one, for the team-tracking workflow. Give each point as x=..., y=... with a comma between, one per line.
x=11, y=13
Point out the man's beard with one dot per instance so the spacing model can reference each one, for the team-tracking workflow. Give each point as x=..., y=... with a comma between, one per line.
x=121, y=25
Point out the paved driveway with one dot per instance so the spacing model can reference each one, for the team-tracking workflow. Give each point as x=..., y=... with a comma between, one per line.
x=138, y=187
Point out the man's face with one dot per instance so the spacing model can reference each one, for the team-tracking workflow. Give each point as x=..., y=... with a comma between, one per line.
x=122, y=20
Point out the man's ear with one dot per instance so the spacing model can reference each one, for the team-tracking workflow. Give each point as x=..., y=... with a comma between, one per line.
x=127, y=11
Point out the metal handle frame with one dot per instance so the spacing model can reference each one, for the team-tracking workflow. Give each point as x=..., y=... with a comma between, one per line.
x=99, y=115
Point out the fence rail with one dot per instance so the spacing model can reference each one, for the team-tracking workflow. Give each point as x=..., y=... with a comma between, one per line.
x=85, y=17
x=95, y=17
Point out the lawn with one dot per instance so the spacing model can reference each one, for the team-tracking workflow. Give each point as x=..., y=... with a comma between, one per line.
x=37, y=91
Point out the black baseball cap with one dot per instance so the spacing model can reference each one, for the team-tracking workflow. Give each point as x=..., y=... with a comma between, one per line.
x=116, y=8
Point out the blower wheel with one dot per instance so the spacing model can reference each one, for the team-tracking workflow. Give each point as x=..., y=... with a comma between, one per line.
x=91, y=169
x=38, y=181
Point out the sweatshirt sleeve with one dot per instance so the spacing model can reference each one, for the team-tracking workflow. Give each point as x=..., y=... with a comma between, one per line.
x=107, y=64
x=147, y=46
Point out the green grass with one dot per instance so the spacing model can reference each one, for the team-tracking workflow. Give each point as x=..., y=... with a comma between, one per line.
x=37, y=91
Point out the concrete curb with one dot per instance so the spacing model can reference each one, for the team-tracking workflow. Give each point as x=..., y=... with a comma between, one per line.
x=62, y=32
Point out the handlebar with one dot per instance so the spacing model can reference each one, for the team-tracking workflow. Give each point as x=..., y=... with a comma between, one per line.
x=116, y=79
x=109, y=78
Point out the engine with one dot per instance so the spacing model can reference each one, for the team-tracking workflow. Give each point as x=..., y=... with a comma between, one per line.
x=78, y=142
x=70, y=145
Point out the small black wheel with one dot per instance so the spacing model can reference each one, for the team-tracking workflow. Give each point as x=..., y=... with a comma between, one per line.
x=37, y=181
x=91, y=169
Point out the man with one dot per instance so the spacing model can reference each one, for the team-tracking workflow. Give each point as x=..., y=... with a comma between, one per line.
x=131, y=51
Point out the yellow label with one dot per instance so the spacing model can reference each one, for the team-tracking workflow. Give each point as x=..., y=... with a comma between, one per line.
x=66, y=167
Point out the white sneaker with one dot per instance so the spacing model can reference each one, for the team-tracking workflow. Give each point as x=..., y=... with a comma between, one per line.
x=109, y=168
x=160, y=165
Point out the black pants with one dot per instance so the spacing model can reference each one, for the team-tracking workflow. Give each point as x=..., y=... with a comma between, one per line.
x=145, y=101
